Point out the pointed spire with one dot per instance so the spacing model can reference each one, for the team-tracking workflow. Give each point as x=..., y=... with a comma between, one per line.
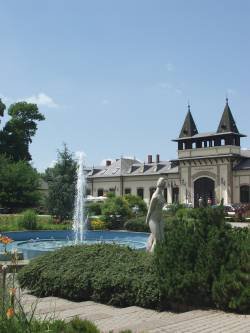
x=227, y=122
x=189, y=128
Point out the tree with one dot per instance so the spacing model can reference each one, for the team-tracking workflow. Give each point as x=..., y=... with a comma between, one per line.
x=61, y=179
x=18, y=131
x=19, y=184
x=2, y=108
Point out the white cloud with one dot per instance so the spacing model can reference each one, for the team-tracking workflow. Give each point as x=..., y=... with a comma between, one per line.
x=178, y=91
x=165, y=85
x=42, y=99
x=170, y=67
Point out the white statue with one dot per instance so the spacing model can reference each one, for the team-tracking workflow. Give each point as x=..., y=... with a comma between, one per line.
x=154, y=216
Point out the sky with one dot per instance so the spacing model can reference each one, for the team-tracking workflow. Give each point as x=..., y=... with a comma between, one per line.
x=114, y=78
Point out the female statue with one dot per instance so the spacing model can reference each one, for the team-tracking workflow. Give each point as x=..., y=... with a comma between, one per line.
x=154, y=215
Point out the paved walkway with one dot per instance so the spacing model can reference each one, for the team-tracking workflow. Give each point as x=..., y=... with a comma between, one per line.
x=137, y=319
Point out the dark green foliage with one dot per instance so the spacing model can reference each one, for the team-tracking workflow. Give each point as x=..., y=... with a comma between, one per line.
x=61, y=180
x=28, y=220
x=194, y=257
x=231, y=290
x=94, y=208
x=20, y=324
x=137, y=224
x=18, y=184
x=136, y=201
x=105, y=273
x=115, y=211
x=2, y=108
x=17, y=133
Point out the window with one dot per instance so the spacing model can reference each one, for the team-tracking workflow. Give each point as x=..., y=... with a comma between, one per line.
x=127, y=191
x=166, y=194
x=175, y=194
x=151, y=191
x=112, y=190
x=140, y=192
x=245, y=194
x=100, y=192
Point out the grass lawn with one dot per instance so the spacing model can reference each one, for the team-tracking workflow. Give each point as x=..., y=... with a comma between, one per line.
x=9, y=222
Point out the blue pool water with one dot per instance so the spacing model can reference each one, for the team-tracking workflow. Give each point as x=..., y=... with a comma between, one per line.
x=35, y=243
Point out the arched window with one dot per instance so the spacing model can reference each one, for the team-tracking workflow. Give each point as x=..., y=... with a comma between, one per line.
x=245, y=194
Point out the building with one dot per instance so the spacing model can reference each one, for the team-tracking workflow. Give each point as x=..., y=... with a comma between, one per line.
x=211, y=166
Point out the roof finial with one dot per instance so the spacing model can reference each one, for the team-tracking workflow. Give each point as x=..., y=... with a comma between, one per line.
x=226, y=98
x=188, y=105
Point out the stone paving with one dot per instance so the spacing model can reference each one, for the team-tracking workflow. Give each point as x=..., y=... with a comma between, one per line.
x=137, y=319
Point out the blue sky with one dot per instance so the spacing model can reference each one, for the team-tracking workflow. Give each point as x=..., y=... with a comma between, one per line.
x=114, y=77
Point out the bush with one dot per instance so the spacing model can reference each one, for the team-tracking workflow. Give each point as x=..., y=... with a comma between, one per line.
x=196, y=259
x=136, y=201
x=115, y=210
x=98, y=224
x=20, y=324
x=104, y=273
x=137, y=224
x=28, y=220
x=94, y=208
x=231, y=290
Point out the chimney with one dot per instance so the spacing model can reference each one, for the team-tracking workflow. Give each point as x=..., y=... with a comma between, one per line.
x=150, y=159
x=108, y=162
x=157, y=159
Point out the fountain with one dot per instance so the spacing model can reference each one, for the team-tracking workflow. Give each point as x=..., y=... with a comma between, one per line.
x=80, y=220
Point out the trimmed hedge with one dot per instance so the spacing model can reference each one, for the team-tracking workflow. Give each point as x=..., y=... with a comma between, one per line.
x=104, y=273
x=137, y=224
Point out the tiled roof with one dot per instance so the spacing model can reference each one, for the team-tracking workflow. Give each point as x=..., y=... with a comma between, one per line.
x=130, y=167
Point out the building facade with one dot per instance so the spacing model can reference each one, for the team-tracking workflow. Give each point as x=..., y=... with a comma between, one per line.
x=209, y=166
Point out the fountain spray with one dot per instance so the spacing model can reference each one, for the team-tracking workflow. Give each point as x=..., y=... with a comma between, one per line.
x=80, y=220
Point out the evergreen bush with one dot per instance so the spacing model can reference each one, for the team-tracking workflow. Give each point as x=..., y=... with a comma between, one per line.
x=104, y=273
x=202, y=262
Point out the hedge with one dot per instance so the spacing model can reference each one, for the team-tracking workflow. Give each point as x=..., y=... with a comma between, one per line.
x=104, y=273
x=137, y=224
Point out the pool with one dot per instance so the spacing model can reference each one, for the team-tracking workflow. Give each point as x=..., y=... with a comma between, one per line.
x=35, y=243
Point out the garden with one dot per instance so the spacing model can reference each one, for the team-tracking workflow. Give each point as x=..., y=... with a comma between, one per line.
x=202, y=263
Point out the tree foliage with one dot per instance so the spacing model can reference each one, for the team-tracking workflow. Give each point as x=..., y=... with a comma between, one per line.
x=19, y=184
x=2, y=108
x=61, y=180
x=17, y=133
x=136, y=201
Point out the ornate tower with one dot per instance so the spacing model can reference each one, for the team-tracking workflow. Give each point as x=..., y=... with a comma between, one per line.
x=206, y=160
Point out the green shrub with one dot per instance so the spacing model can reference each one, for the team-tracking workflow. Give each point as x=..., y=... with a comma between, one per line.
x=231, y=289
x=136, y=201
x=194, y=258
x=137, y=224
x=28, y=220
x=20, y=324
x=94, y=208
x=104, y=273
x=115, y=210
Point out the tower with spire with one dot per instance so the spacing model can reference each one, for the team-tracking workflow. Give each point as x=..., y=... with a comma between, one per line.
x=206, y=160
